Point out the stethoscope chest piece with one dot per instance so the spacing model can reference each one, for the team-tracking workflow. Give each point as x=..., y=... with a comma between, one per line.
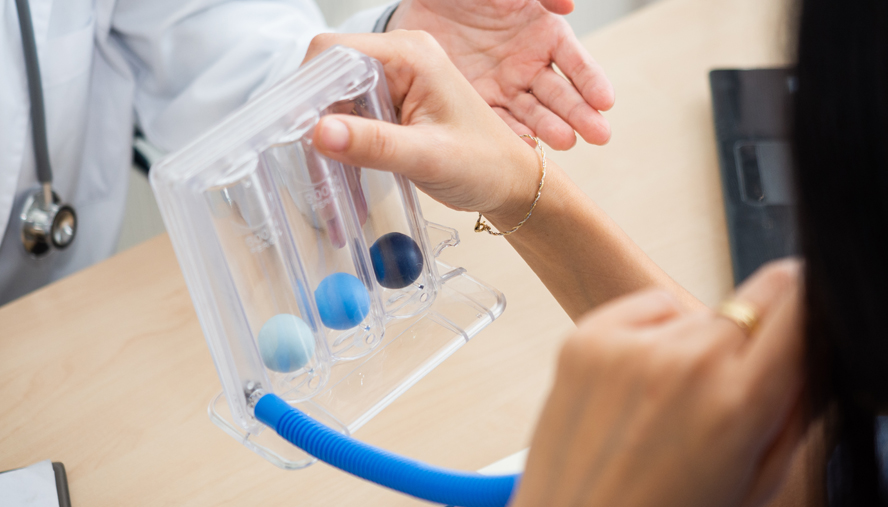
x=47, y=226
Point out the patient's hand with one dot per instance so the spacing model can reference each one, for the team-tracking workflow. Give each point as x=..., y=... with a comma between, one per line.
x=657, y=406
x=506, y=48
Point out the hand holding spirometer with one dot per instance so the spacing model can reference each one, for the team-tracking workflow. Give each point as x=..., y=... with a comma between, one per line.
x=317, y=284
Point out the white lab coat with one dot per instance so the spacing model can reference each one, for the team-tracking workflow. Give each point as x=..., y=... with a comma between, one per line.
x=175, y=66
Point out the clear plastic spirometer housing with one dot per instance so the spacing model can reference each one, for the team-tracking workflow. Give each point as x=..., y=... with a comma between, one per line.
x=313, y=280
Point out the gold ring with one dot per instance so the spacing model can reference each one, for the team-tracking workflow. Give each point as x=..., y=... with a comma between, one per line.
x=743, y=314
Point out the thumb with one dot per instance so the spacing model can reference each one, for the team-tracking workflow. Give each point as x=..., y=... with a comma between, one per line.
x=363, y=142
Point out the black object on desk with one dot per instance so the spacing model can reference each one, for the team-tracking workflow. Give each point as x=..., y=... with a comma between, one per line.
x=752, y=111
x=61, y=484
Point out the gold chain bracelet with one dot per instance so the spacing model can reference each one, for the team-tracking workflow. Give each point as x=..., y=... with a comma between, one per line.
x=481, y=226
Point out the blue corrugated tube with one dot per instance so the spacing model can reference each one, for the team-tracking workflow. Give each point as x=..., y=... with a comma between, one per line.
x=451, y=487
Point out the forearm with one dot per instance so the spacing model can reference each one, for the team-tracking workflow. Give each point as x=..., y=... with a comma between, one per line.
x=580, y=254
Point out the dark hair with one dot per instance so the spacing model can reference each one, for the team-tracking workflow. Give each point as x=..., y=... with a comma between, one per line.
x=841, y=148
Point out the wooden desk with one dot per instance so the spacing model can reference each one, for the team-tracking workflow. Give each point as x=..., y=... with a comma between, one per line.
x=108, y=371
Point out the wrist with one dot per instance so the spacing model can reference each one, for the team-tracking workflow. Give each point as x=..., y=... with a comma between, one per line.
x=521, y=186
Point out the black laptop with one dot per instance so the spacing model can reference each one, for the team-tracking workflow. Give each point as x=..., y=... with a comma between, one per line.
x=752, y=111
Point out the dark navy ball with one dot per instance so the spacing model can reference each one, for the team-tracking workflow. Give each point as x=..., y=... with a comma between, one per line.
x=397, y=260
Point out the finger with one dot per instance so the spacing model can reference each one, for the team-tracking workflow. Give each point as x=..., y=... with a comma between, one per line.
x=399, y=52
x=548, y=126
x=766, y=289
x=516, y=126
x=560, y=96
x=584, y=72
x=775, y=464
x=324, y=41
x=363, y=142
x=561, y=7
x=774, y=355
x=771, y=366
x=761, y=292
x=637, y=309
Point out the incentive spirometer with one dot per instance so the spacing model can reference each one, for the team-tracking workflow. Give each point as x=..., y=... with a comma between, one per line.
x=318, y=285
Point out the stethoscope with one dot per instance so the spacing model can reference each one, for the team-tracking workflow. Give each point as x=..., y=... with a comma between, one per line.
x=47, y=223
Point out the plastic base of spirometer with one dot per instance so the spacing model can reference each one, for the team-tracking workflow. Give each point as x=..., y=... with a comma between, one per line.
x=358, y=390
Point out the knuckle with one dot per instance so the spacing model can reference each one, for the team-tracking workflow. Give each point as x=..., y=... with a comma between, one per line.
x=382, y=146
x=321, y=42
x=780, y=274
x=423, y=38
x=579, y=115
x=424, y=44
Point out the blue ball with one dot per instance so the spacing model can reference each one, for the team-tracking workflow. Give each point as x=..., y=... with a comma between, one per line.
x=397, y=260
x=285, y=343
x=342, y=300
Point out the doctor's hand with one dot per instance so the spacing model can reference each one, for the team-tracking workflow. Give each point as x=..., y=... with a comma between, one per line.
x=506, y=49
x=656, y=406
x=450, y=143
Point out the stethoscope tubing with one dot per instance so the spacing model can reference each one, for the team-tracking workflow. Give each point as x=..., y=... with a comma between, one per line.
x=35, y=91
x=47, y=223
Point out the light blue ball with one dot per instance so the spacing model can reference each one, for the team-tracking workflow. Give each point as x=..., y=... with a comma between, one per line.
x=286, y=343
x=342, y=300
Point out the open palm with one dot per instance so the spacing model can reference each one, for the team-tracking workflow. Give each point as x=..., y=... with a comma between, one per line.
x=506, y=49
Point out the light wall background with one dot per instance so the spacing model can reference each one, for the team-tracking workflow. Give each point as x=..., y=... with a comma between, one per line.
x=142, y=220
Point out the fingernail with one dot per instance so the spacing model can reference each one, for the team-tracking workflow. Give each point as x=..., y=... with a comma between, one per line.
x=334, y=135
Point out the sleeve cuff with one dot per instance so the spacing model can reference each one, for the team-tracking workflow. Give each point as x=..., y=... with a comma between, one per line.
x=384, y=19
x=370, y=20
